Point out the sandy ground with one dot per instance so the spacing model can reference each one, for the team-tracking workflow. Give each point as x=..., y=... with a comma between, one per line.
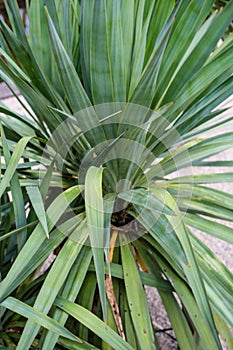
x=222, y=249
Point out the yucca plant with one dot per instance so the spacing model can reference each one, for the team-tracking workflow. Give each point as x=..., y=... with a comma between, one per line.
x=120, y=94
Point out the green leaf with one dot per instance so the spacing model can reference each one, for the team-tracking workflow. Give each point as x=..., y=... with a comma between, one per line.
x=144, y=199
x=14, y=66
x=40, y=43
x=200, y=112
x=38, y=205
x=203, y=194
x=188, y=20
x=162, y=233
x=139, y=46
x=127, y=319
x=93, y=323
x=46, y=248
x=188, y=153
x=147, y=279
x=38, y=317
x=16, y=191
x=202, y=50
x=70, y=291
x=128, y=24
x=29, y=65
x=187, y=298
x=191, y=269
x=145, y=88
x=73, y=88
x=87, y=301
x=178, y=320
x=137, y=300
x=224, y=330
x=218, y=279
x=16, y=20
x=203, y=87
x=115, y=47
x=13, y=163
x=211, y=227
x=101, y=84
x=19, y=124
x=159, y=17
x=207, y=209
x=35, y=241
x=202, y=179
x=71, y=345
x=13, y=232
x=203, y=200
x=95, y=221
x=54, y=281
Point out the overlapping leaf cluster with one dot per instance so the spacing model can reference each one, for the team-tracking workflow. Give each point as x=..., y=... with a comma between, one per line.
x=105, y=78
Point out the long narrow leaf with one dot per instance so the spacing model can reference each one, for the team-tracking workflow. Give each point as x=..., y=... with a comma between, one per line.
x=137, y=300
x=59, y=273
x=38, y=205
x=146, y=278
x=37, y=316
x=70, y=291
x=95, y=221
x=17, y=195
x=146, y=200
x=175, y=314
x=13, y=163
x=211, y=227
x=188, y=300
x=33, y=244
x=192, y=270
x=72, y=85
x=93, y=323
